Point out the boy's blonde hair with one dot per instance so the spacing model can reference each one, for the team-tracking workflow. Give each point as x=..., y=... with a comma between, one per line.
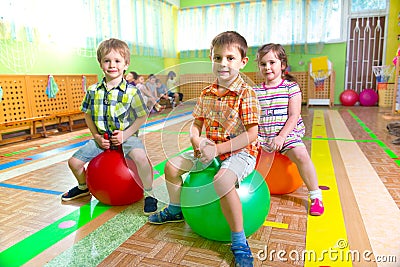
x=230, y=38
x=106, y=46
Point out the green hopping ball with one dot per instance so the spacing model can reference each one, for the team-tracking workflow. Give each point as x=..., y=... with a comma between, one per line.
x=202, y=210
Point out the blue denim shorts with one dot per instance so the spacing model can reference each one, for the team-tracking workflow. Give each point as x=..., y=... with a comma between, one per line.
x=242, y=163
x=91, y=149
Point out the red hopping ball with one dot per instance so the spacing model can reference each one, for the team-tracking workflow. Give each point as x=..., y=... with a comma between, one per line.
x=348, y=97
x=111, y=181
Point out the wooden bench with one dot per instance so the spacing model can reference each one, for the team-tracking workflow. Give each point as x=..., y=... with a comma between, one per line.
x=69, y=115
x=32, y=131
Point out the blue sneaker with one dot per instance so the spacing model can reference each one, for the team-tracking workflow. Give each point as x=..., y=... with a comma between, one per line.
x=165, y=217
x=150, y=205
x=74, y=193
x=244, y=258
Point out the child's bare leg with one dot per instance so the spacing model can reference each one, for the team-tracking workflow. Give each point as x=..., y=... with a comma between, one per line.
x=300, y=156
x=77, y=167
x=173, y=171
x=224, y=183
x=232, y=210
x=231, y=206
x=145, y=171
x=143, y=166
x=176, y=97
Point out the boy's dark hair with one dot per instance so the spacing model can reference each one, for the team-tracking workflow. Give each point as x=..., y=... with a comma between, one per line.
x=280, y=53
x=230, y=38
x=171, y=74
x=134, y=74
x=106, y=46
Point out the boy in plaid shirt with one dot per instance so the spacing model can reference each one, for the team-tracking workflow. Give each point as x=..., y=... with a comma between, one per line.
x=229, y=111
x=115, y=107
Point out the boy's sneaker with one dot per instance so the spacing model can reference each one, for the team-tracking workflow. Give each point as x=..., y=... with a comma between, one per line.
x=150, y=205
x=317, y=207
x=74, y=193
x=243, y=256
x=165, y=217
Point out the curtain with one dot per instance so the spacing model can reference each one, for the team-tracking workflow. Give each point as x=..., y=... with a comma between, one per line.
x=146, y=25
x=288, y=22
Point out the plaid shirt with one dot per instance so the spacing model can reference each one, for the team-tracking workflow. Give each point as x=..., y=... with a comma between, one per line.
x=113, y=109
x=225, y=116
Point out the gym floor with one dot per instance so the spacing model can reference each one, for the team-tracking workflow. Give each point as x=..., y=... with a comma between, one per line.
x=357, y=165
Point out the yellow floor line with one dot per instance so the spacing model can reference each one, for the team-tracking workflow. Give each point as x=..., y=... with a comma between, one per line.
x=326, y=238
x=276, y=224
x=379, y=212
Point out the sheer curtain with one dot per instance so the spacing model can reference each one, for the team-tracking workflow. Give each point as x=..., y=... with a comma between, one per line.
x=289, y=22
x=146, y=25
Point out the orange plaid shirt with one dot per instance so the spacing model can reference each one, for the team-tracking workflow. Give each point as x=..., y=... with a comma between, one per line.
x=225, y=116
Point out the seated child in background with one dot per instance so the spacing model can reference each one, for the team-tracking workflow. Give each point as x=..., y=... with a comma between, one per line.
x=228, y=110
x=152, y=87
x=122, y=125
x=131, y=77
x=151, y=84
x=149, y=98
x=173, y=88
x=162, y=94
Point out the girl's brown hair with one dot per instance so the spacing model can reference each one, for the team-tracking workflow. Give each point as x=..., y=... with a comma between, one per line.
x=280, y=53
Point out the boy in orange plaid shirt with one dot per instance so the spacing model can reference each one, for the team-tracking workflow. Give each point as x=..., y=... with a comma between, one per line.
x=229, y=111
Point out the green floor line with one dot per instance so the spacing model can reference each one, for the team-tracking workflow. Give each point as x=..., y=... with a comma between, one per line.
x=339, y=139
x=385, y=148
x=397, y=161
x=99, y=244
x=381, y=144
x=164, y=131
x=30, y=247
x=362, y=124
x=19, y=152
x=45, y=145
x=36, y=243
x=161, y=115
x=160, y=166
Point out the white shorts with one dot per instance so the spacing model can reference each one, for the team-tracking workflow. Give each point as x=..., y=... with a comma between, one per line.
x=242, y=163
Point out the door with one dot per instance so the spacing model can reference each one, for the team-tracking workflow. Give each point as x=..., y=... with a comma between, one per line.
x=365, y=45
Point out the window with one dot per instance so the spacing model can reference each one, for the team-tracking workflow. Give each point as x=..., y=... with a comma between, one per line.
x=358, y=6
x=285, y=22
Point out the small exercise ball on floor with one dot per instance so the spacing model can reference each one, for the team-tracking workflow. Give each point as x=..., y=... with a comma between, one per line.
x=201, y=206
x=368, y=97
x=283, y=176
x=111, y=181
x=349, y=97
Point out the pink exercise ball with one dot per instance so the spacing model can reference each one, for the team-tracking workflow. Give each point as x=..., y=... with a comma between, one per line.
x=348, y=97
x=368, y=97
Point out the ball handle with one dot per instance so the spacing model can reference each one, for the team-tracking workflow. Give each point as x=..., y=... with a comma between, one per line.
x=107, y=137
x=215, y=164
